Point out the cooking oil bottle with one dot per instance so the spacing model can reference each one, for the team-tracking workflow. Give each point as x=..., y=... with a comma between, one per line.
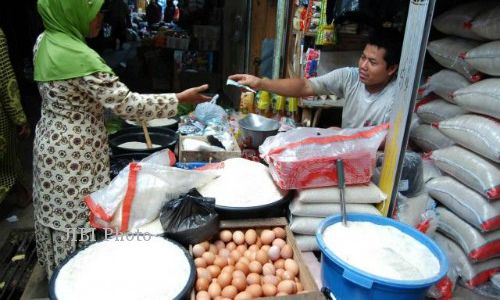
x=264, y=104
x=293, y=109
x=279, y=107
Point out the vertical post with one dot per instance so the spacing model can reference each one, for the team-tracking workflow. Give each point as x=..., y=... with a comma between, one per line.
x=417, y=29
x=280, y=38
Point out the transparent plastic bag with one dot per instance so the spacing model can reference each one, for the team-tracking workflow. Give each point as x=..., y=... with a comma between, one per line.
x=136, y=195
x=306, y=157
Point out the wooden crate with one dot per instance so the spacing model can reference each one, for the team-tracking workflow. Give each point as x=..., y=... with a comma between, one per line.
x=305, y=276
x=205, y=156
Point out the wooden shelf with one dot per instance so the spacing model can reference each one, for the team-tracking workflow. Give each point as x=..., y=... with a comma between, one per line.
x=306, y=33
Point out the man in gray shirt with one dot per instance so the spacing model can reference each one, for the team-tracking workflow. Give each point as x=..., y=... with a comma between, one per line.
x=368, y=90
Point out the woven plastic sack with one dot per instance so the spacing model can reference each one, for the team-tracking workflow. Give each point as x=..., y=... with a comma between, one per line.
x=369, y=193
x=306, y=243
x=465, y=203
x=471, y=169
x=321, y=210
x=450, y=53
x=304, y=225
x=485, y=58
x=472, y=275
x=306, y=157
x=438, y=110
x=481, y=97
x=430, y=169
x=444, y=83
x=458, y=20
x=409, y=210
x=477, y=246
x=487, y=24
x=135, y=197
x=429, y=138
x=476, y=133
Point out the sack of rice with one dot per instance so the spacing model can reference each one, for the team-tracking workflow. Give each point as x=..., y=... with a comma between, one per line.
x=487, y=24
x=485, y=58
x=481, y=97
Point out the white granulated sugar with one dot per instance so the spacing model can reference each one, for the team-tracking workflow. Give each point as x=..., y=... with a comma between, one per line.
x=243, y=183
x=380, y=250
x=137, y=269
x=137, y=145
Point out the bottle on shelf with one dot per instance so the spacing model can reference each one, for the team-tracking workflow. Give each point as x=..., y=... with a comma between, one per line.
x=279, y=107
x=247, y=102
x=293, y=109
x=264, y=104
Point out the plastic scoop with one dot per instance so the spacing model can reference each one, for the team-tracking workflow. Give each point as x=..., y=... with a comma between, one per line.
x=341, y=182
x=235, y=83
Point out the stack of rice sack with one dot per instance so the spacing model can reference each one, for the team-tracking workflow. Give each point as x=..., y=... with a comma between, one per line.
x=310, y=206
x=461, y=131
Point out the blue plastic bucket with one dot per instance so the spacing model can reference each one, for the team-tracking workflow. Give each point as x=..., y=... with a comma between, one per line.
x=348, y=282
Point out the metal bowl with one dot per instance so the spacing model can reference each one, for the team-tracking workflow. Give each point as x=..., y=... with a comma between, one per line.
x=255, y=129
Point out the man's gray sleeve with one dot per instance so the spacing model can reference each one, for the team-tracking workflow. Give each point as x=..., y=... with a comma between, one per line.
x=333, y=82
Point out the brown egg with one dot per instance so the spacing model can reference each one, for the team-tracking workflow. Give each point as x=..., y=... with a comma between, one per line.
x=288, y=276
x=219, y=244
x=268, y=269
x=250, y=254
x=220, y=261
x=279, y=242
x=205, y=245
x=199, y=262
x=239, y=283
x=209, y=257
x=279, y=232
x=279, y=264
x=231, y=261
x=214, y=289
x=287, y=286
x=242, y=267
x=244, y=260
x=229, y=269
x=255, y=267
x=201, y=284
x=235, y=254
x=250, y=236
x=229, y=292
x=255, y=290
x=226, y=236
x=224, y=279
x=241, y=248
x=253, y=278
x=212, y=248
x=203, y=273
x=253, y=248
x=231, y=246
x=286, y=252
x=238, y=237
x=280, y=273
x=270, y=279
x=265, y=247
x=292, y=267
x=214, y=270
x=198, y=250
x=243, y=296
x=274, y=253
x=238, y=273
x=261, y=256
x=202, y=295
x=267, y=236
x=224, y=252
x=280, y=294
x=269, y=290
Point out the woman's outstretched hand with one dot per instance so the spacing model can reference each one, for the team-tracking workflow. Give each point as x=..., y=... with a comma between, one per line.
x=193, y=95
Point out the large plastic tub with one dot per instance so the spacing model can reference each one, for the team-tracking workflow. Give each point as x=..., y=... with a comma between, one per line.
x=348, y=282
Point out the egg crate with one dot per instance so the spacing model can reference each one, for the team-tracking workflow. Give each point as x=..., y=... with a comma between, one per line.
x=311, y=290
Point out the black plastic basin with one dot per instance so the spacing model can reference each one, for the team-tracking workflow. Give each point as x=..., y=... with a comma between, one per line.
x=164, y=137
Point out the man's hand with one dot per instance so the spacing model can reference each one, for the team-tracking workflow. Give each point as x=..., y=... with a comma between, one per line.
x=248, y=80
x=193, y=95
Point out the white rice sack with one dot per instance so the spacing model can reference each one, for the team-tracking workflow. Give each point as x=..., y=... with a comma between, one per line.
x=444, y=83
x=476, y=133
x=304, y=225
x=306, y=243
x=430, y=169
x=465, y=203
x=481, y=97
x=485, y=58
x=487, y=24
x=471, y=169
x=477, y=246
x=450, y=52
x=411, y=209
x=457, y=21
x=415, y=121
x=369, y=193
x=438, y=110
x=470, y=274
x=322, y=210
x=429, y=138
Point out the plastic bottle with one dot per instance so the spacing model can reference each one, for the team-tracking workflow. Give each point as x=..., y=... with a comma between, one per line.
x=293, y=109
x=279, y=107
x=264, y=104
x=246, y=102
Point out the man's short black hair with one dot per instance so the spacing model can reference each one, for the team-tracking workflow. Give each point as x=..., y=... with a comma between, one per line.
x=389, y=39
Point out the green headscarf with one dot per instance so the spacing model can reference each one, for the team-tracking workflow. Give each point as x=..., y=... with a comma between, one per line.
x=63, y=52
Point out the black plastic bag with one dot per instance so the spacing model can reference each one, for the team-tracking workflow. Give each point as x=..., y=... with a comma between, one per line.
x=370, y=12
x=190, y=219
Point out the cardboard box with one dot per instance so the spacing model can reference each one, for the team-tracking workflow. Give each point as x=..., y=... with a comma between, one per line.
x=205, y=156
x=305, y=277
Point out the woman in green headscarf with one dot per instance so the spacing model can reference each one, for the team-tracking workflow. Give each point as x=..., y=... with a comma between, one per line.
x=70, y=156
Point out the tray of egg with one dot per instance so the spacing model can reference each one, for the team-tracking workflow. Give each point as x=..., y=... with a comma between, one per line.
x=246, y=263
